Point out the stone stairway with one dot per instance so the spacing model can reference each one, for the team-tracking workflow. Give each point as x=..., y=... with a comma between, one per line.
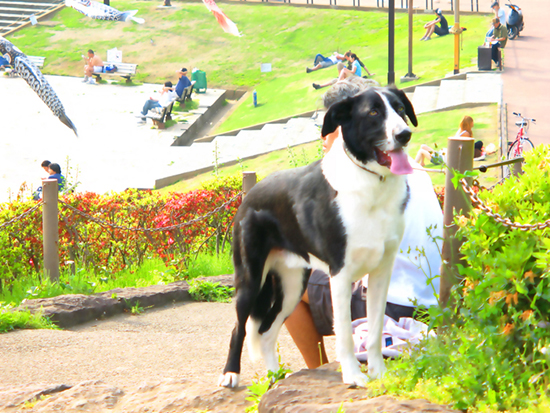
x=202, y=154
x=453, y=92
x=456, y=91
x=16, y=13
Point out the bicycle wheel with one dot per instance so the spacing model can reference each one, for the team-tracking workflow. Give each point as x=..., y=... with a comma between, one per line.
x=516, y=150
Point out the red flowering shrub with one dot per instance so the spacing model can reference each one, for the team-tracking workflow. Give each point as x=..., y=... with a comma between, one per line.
x=112, y=245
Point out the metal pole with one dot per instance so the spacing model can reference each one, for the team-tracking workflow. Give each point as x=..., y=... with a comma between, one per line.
x=50, y=230
x=457, y=30
x=391, y=42
x=410, y=75
x=460, y=156
x=249, y=180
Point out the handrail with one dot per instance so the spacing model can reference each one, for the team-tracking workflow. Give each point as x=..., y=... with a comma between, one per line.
x=483, y=168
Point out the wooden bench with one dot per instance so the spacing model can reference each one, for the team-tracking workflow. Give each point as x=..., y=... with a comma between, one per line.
x=125, y=70
x=160, y=115
x=186, y=94
x=38, y=61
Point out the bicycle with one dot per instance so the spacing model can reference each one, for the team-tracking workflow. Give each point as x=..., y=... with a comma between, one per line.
x=522, y=143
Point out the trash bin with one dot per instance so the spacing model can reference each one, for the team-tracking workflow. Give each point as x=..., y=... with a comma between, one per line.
x=484, y=58
x=200, y=78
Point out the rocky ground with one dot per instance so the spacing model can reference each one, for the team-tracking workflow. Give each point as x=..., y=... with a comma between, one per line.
x=165, y=360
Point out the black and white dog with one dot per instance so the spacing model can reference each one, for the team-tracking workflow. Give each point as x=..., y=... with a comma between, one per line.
x=343, y=214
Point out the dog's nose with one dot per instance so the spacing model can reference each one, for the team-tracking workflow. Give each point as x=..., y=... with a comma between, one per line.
x=403, y=137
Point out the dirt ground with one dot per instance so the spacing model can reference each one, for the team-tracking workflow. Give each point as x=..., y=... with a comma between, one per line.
x=181, y=341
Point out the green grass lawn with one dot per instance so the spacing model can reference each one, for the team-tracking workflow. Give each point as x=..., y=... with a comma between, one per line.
x=433, y=130
x=188, y=35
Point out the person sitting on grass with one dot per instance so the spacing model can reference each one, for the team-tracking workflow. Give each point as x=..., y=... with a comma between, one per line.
x=355, y=68
x=167, y=96
x=322, y=62
x=438, y=157
x=432, y=27
x=313, y=317
x=340, y=66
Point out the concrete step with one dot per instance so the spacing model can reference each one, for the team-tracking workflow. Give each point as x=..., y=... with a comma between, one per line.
x=425, y=98
x=477, y=89
x=451, y=93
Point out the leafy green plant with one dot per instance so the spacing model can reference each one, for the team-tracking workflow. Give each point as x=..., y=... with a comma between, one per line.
x=260, y=386
x=209, y=291
x=86, y=244
x=136, y=309
x=494, y=353
x=11, y=319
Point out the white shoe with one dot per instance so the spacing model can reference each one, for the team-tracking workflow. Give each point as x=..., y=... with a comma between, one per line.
x=86, y=78
x=141, y=122
x=92, y=82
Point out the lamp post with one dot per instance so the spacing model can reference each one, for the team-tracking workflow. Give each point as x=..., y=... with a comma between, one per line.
x=456, y=30
x=391, y=42
x=410, y=75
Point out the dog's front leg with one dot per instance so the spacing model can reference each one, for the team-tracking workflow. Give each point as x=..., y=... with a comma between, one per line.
x=377, y=293
x=340, y=286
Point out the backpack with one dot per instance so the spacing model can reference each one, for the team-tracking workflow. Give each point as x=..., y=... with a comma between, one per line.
x=110, y=68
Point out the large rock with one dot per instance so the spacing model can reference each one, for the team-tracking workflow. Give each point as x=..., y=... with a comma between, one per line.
x=73, y=309
x=322, y=391
x=96, y=396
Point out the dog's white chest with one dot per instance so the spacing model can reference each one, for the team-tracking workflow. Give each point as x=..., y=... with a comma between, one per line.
x=371, y=212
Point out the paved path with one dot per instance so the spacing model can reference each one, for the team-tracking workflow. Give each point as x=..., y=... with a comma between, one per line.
x=181, y=341
x=526, y=73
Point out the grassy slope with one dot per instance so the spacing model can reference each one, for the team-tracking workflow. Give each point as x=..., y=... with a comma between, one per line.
x=433, y=129
x=188, y=35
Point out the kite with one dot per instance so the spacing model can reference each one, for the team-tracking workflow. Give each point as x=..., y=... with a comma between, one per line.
x=227, y=25
x=23, y=67
x=101, y=11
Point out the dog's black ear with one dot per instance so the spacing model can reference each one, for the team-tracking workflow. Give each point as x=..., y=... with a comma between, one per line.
x=409, y=110
x=337, y=115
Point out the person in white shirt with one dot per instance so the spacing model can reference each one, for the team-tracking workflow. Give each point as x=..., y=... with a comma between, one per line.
x=167, y=96
x=499, y=14
x=322, y=62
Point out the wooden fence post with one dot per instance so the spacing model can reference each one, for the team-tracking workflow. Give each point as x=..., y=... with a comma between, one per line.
x=50, y=228
x=249, y=180
x=460, y=156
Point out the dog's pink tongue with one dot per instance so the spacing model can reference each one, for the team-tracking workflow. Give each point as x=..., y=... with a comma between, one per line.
x=400, y=163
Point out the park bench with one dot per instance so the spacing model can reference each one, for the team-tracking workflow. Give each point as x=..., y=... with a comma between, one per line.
x=160, y=115
x=186, y=94
x=38, y=61
x=125, y=70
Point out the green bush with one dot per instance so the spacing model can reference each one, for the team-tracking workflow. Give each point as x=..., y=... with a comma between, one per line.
x=106, y=249
x=495, y=353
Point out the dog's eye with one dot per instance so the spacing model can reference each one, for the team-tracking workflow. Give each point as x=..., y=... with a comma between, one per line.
x=401, y=110
x=373, y=112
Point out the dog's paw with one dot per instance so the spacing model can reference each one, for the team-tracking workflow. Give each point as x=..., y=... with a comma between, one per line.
x=355, y=378
x=229, y=379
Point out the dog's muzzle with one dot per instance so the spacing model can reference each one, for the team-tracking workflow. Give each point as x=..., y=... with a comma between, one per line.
x=403, y=137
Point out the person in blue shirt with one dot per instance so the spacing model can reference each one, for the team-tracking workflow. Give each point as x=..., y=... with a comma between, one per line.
x=183, y=81
x=355, y=68
x=4, y=63
x=55, y=173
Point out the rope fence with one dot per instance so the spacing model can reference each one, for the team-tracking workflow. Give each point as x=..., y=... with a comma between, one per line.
x=105, y=223
x=460, y=158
